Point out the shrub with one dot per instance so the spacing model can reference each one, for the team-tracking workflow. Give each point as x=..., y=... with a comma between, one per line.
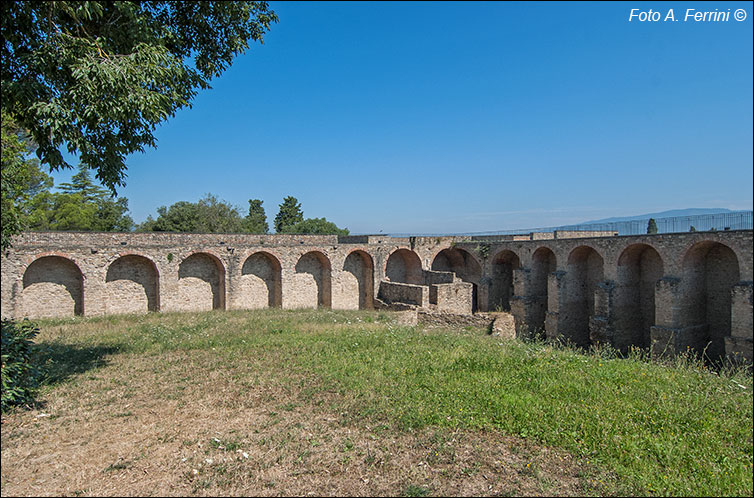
x=20, y=372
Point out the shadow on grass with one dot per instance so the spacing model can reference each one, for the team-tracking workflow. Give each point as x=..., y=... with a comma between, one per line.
x=61, y=361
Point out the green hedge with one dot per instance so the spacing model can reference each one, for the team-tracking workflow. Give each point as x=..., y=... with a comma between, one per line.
x=20, y=372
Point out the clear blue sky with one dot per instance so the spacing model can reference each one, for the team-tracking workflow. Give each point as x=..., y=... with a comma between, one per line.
x=465, y=117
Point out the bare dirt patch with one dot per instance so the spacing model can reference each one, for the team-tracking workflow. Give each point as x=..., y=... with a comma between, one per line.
x=185, y=423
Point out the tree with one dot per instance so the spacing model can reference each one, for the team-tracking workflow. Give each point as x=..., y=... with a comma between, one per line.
x=256, y=220
x=97, y=77
x=313, y=226
x=652, y=226
x=81, y=183
x=692, y=229
x=290, y=213
x=208, y=215
x=82, y=205
x=22, y=179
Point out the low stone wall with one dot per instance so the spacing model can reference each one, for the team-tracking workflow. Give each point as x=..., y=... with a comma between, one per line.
x=498, y=323
x=438, y=277
x=452, y=298
x=396, y=292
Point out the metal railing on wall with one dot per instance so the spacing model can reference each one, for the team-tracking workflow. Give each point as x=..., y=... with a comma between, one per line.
x=737, y=220
x=675, y=224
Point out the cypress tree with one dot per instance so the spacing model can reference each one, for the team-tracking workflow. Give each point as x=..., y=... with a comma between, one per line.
x=290, y=213
x=256, y=220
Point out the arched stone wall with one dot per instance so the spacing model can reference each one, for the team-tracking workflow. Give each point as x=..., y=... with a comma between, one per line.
x=201, y=283
x=693, y=294
x=260, y=282
x=53, y=286
x=543, y=263
x=404, y=265
x=312, y=282
x=639, y=268
x=501, y=280
x=710, y=270
x=132, y=285
x=358, y=276
x=584, y=274
x=465, y=267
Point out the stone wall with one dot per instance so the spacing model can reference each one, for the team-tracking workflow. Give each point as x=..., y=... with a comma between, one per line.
x=131, y=285
x=668, y=291
x=398, y=292
x=52, y=286
x=456, y=297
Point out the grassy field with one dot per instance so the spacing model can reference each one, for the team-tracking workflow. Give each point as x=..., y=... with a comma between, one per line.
x=279, y=402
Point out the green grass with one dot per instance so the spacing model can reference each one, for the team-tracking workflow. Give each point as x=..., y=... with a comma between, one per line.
x=677, y=429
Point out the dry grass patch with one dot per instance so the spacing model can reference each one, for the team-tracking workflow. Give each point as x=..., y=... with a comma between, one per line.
x=204, y=422
x=124, y=430
x=280, y=402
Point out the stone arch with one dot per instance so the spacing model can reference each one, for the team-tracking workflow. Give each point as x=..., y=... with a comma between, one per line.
x=585, y=271
x=260, y=285
x=404, y=265
x=710, y=270
x=201, y=283
x=543, y=263
x=464, y=265
x=313, y=278
x=53, y=286
x=501, y=275
x=132, y=285
x=361, y=266
x=639, y=268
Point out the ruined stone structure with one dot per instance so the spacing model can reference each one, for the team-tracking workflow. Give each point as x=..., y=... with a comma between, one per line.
x=670, y=292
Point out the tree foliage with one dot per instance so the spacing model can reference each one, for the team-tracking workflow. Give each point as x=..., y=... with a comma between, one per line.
x=652, y=226
x=97, y=77
x=290, y=214
x=82, y=205
x=22, y=179
x=28, y=203
x=208, y=215
x=256, y=220
x=290, y=219
x=318, y=226
x=21, y=371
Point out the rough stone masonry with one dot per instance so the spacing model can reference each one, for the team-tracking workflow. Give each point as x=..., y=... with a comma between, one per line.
x=667, y=292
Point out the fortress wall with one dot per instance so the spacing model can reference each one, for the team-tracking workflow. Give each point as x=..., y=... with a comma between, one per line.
x=688, y=289
x=52, y=286
x=131, y=285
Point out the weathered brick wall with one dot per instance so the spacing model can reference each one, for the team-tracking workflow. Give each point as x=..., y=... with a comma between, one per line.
x=131, y=286
x=639, y=269
x=201, y=284
x=52, y=286
x=403, y=265
x=354, y=289
x=399, y=292
x=614, y=288
x=453, y=298
x=259, y=285
x=310, y=284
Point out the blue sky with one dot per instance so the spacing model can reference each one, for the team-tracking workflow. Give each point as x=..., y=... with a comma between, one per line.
x=467, y=117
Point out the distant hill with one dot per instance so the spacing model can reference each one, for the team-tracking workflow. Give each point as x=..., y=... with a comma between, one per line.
x=662, y=214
